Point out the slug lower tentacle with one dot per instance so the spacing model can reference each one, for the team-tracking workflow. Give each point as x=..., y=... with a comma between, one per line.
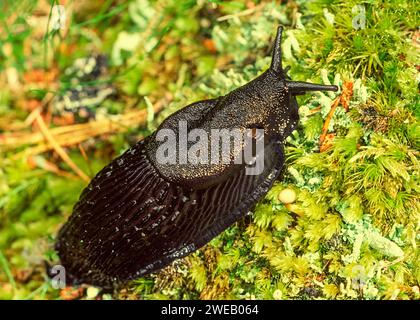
x=151, y=206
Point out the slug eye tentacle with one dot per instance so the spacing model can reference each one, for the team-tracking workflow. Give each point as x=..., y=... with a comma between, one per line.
x=277, y=54
x=300, y=87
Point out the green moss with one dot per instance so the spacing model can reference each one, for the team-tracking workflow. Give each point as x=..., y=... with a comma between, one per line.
x=353, y=231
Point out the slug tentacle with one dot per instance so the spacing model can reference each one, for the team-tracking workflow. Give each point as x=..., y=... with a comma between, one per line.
x=300, y=87
x=276, y=64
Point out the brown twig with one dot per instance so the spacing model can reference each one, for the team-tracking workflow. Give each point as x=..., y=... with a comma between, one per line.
x=328, y=120
x=86, y=158
x=344, y=100
x=49, y=166
x=60, y=151
x=315, y=110
x=241, y=14
x=75, y=133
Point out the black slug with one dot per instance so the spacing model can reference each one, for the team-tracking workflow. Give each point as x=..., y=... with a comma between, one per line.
x=140, y=213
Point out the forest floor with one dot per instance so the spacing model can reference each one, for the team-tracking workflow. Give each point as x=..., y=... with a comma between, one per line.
x=76, y=92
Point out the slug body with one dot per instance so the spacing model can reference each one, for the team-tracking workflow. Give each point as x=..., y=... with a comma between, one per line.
x=139, y=214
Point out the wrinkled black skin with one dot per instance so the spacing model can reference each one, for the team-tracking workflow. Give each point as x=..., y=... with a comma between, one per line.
x=137, y=216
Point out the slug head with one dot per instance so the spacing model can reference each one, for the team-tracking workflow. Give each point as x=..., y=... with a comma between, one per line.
x=267, y=102
x=289, y=89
